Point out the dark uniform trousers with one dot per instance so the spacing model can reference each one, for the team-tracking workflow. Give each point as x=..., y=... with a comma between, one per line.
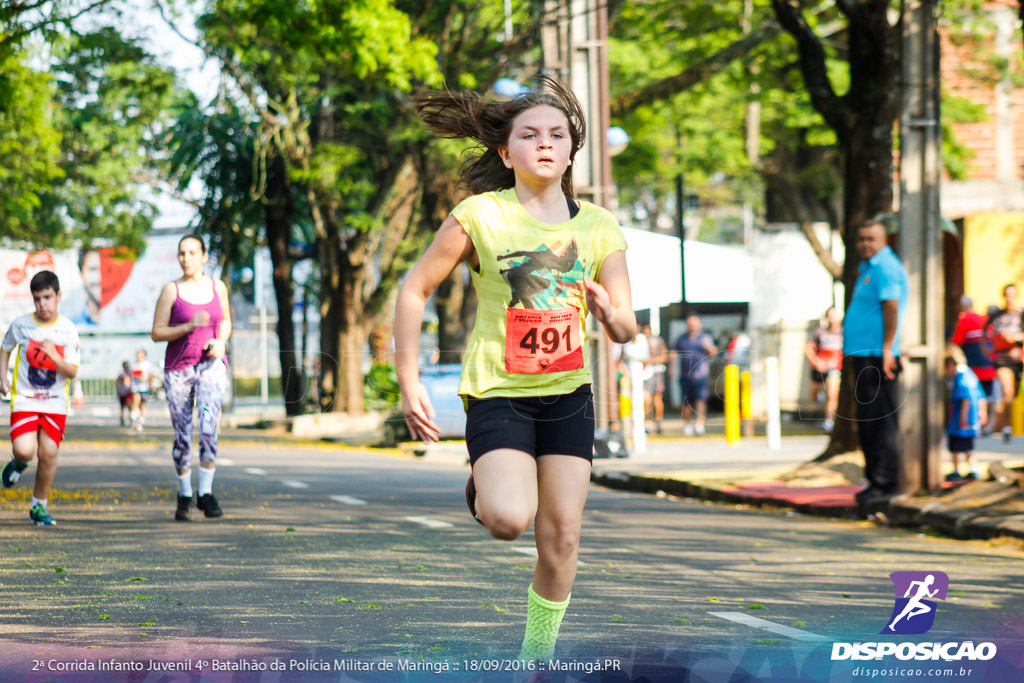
x=878, y=423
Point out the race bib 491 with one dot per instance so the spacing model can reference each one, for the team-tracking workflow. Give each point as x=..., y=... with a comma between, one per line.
x=538, y=341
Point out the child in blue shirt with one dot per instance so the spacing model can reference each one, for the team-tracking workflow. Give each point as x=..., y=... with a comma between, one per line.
x=968, y=412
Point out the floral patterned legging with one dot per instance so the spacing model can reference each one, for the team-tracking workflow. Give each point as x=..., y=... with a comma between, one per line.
x=202, y=384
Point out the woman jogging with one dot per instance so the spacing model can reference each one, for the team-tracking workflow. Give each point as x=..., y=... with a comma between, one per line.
x=540, y=262
x=192, y=315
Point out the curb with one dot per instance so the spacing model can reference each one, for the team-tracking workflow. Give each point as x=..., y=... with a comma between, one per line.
x=716, y=493
x=943, y=513
x=939, y=513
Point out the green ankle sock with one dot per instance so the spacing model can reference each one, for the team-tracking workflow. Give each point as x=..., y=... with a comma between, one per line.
x=543, y=619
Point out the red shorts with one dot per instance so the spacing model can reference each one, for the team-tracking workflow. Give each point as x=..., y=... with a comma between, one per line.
x=126, y=400
x=27, y=422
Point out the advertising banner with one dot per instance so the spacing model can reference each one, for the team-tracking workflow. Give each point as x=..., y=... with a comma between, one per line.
x=104, y=290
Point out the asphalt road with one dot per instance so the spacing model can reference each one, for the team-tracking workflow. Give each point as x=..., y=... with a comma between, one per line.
x=333, y=554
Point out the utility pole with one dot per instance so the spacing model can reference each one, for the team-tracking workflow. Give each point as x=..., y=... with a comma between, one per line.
x=574, y=46
x=920, y=245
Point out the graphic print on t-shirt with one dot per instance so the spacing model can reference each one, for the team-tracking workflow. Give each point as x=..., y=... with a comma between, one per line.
x=532, y=275
x=42, y=372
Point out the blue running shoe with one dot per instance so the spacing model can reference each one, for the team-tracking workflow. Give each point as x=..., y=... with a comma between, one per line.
x=40, y=516
x=12, y=473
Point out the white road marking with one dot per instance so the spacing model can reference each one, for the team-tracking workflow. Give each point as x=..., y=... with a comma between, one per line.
x=348, y=500
x=256, y=471
x=227, y=462
x=764, y=624
x=292, y=484
x=428, y=522
x=532, y=552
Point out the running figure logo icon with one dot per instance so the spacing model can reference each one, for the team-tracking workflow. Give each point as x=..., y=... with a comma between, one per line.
x=913, y=612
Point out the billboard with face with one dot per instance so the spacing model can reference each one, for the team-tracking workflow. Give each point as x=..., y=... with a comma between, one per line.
x=103, y=290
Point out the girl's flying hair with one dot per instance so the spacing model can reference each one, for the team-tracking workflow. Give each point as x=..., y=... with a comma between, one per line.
x=489, y=123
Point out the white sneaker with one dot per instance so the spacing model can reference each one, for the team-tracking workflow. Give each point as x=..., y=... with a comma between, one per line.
x=687, y=429
x=699, y=430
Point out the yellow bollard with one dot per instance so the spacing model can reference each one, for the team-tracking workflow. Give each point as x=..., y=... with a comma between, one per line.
x=732, y=404
x=745, y=395
x=1017, y=412
x=746, y=412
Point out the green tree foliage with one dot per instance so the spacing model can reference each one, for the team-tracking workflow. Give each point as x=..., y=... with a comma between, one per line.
x=22, y=19
x=328, y=83
x=115, y=105
x=29, y=146
x=710, y=63
x=78, y=142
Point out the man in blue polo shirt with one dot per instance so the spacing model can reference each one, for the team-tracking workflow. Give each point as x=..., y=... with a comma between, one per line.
x=871, y=341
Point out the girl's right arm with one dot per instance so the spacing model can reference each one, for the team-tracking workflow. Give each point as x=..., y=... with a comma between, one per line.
x=162, y=329
x=451, y=246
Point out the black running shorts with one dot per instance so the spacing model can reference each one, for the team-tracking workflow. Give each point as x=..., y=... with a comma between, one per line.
x=544, y=425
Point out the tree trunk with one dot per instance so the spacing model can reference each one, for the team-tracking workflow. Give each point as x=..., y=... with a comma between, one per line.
x=279, y=218
x=456, y=308
x=868, y=191
x=329, y=252
x=343, y=331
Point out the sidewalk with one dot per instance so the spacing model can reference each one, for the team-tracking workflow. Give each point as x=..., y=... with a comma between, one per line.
x=709, y=468
x=749, y=473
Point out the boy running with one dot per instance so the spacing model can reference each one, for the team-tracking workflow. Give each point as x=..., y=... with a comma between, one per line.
x=46, y=362
x=142, y=373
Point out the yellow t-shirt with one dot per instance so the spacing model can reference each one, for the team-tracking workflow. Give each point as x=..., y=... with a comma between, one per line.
x=528, y=264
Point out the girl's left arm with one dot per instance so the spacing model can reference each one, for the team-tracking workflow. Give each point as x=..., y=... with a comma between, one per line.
x=609, y=298
x=218, y=347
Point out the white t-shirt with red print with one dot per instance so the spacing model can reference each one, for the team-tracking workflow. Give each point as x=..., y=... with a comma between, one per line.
x=142, y=371
x=38, y=385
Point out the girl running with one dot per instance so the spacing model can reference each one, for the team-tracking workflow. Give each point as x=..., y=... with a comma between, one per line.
x=192, y=315
x=540, y=262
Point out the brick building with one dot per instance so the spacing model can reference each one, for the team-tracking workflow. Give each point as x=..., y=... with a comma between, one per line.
x=988, y=204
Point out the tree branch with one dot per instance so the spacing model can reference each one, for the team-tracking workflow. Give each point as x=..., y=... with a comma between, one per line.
x=850, y=9
x=174, y=27
x=14, y=36
x=813, y=66
x=834, y=268
x=691, y=76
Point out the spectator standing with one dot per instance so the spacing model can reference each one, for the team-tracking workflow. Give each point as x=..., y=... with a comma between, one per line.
x=692, y=350
x=1003, y=331
x=871, y=341
x=654, y=382
x=633, y=359
x=969, y=335
x=968, y=411
x=824, y=350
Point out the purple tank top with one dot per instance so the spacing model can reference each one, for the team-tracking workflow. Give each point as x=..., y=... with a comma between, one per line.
x=187, y=350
